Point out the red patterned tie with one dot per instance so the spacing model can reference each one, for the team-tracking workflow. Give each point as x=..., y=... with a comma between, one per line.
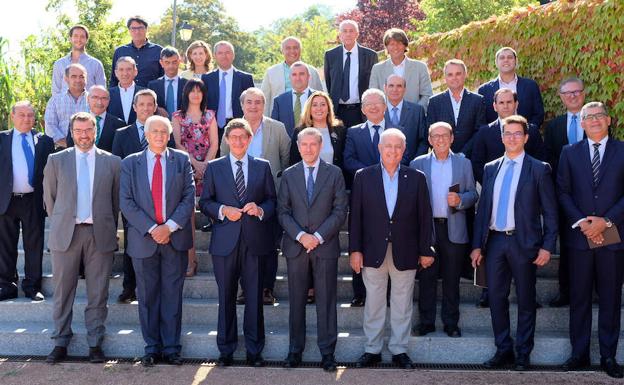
x=157, y=190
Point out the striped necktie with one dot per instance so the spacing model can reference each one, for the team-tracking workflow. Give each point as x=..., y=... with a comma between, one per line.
x=596, y=163
x=240, y=182
x=142, y=136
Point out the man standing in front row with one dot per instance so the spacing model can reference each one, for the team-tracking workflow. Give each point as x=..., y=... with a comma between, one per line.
x=157, y=198
x=239, y=195
x=312, y=206
x=390, y=235
x=81, y=195
x=517, y=197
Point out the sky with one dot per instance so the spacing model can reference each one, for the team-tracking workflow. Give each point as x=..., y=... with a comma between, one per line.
x=250, y=14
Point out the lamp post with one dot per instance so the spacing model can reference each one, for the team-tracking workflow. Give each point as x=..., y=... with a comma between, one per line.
x=173, y=29
x=186, y=31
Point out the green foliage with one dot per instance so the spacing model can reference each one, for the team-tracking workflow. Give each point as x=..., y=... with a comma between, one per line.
x=560, y=39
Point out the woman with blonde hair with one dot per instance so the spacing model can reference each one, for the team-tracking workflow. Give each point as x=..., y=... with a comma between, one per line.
x=199, y=57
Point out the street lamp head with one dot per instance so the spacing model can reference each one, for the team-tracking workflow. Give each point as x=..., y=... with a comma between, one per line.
x=186, y=30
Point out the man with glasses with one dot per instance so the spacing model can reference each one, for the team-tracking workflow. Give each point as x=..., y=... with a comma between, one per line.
x=590, y=181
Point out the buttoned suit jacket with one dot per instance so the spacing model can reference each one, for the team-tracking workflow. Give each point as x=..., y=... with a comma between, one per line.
x=530, y=104
x=417, y=80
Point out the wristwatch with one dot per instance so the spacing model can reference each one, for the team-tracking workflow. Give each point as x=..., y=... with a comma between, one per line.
x=609, y=223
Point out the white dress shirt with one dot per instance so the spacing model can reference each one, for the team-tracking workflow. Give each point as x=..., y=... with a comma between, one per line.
x=456, y=105
x=399, y=69
x=371, y=130
x=354, y=92
x=512, y=85
x=126, y=95
x=511, y=221
x=228, y=91
x=443, y=172
x=20, y=167
x=91, y=165
x=306, y=175
x=151, y=162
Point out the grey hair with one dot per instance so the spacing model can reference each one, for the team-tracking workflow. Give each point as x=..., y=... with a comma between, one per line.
x=349, y=22
x=393, y=132
x=441, y=124
x=289, y=38
x=22, y=103
x=126, y=59
x=572, y=79
x=75, y=65
x=592, y=105
x=310, y=131
x=157, y=119
x=252, y=91
x=373, y=91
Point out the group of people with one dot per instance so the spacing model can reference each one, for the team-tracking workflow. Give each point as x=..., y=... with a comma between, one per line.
x=148, y=147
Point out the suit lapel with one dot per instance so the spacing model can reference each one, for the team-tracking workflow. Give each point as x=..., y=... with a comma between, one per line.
x=235, y=87
x=524, y=176
x=134, y=135
x=226, y=171
x=8, y=149
x=606, y=159
x=402, y=182
x=170, y=172
x=252, y=176
x=70, y=157
x=448, y=108
x=405, y=113
x=427, y=169
x=489, y=189
x=36, y=136
x=365, y=132
x=143, y=180
x=378, y=190
x=321, y=178
x=97, y=173
x=266, y=136
x=300, y=180
x=456, y=177
x=462, y=107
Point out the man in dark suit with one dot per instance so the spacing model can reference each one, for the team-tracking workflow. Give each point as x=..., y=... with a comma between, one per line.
x=23, y=154
x=288, y=106
x=239, y=195
x=157, y=198
x=169, y=87
x=225, y=85
x=347, y=73
x=122, y=95
x=390, y=236
x=562, y=130
x=531, y=105
x=590, y=183
x=407, y=117
x=106, y=124
x=129, y=140
x=312, y=206
x=515, y=231
x=462, y=109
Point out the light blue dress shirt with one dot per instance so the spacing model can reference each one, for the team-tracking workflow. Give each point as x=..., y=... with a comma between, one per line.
x=391, y=188
x=371, y=130
x=443, y=172
x=255, y=147
x=579, y=129
x=20, y=166
x=399, y=108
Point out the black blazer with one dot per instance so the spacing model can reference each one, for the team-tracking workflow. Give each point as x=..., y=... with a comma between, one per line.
x=111, y=124
x=413, y=124
x=115, y=107
x=158, y=86
x=333, y=70
x=530, y=104
x=338, y=135
x=240, y=82
x=44, y=146
x=127, y=141
x=488, y=146
x=471, y=118
x=410, y=229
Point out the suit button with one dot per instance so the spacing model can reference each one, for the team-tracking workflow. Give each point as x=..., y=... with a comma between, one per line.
x=595, y=196
x=386, y=239
x=391, y=222
x=593, y=213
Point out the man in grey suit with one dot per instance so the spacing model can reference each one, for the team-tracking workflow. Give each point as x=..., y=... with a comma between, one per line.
x=157, y=198
x=312, y=206
x=81, y=195
x=451, y=231
x=270, y=141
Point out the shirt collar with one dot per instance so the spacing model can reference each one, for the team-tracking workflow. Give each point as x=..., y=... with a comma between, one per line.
x=517, y=160
x=129, y=89
x=370, y=124
x=401, y=64
x=229, y=71
x=315, y=165
x=353, y=51
x=233, y=159
x=305, y=92
x=461, y=95
x=433, y=154
x=151, y=155
x=384, y=171
x=603, y=141
x=90, y=153
x=501, y=81
x=398, y=106
x=146, y=44
x=168, y=78
x=578, y=115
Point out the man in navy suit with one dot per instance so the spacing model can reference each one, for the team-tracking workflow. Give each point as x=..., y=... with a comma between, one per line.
x=122, y=95
x=531, y=105
x=239, y=195
x=225, y=85
x=23, y=154
x=157, y=198
x=169, y=87
x=462, y=109
x=517, y=193
x=347, y=73
x=288, y=106
x=406, y=116
x=562, y=130
x=590, y=183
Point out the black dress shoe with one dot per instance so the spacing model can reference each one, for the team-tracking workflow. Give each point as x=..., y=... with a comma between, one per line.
x=611, y=367
x=560, y=301
x=58, y=354
x=328, y=363
x=424, y=329
x=267, y=297
x=452, y=331
x=240, y=300
x=484, y=301
x=538, y=305
x=357, y=302
x=499, y=360
x=293, y=360
x=255, y=360
x=576, y=363
x=206, y=228
x=34, y=295
x=173, y=359
x=96, y=356
x=225, y=360
x=5, y=296
x=126, y=296
x=150, y=359
x=523, y=362
x=402, y=360
x=368, y=359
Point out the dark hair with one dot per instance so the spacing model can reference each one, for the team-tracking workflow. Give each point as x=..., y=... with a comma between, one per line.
x=505, y=91
x=190, y=85
x=397, y=35
x=516, y=119
x=138, y=19
x=79, y=26
x=169, y=51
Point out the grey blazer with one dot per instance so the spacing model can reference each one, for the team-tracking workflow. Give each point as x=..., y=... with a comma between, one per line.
x=417, y=80
x=325, y=214
x=275, y=147
x=462, y=174
x=60, y=196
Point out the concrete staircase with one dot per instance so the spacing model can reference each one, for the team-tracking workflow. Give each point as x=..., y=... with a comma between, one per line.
x=26, y=326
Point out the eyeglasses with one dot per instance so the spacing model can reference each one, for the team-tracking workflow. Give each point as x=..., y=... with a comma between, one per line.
x=572, y=93
x=158, y=132
x=79, y=132
x=598, y=116
x=517, y=134
x=440, y=136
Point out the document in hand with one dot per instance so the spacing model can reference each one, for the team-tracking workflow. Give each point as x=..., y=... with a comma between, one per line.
x=479, y=278
x=611, y=236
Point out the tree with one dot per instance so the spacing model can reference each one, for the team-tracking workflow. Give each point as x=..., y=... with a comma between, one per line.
x=374, y=17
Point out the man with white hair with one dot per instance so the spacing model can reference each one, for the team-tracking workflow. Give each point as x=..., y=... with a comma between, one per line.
x=390, y=236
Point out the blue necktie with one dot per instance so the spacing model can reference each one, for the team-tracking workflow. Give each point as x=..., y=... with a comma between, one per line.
x=30, y=160
x=240, y=182
x=503, y=199
x=572, y=130
x=310, y=184
x=221, y=108
x=376, y=127
x=395, y=117
x=142, y=136
x=83, y=211
x=346, y=83
x=170, y=98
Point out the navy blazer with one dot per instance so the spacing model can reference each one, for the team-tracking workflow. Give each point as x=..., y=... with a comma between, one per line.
x=220, y=189
x=530, y=104
x=555, y=137
x=410, y=229
x=283, y=110
x=159, y=86
x=488, y=145
x=44, y=146
x=111, y=124
x=333, y=64
x=115, y=107
x=240, y=82
x=359, y=151
x=578, y=196
x=127, y=141
x=471, y=117
x=535, y=199
x=412, y=123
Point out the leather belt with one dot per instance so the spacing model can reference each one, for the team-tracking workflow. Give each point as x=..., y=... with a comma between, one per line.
x=21, y=195
x=353, y=106
x=440, y=220
x=506, y=232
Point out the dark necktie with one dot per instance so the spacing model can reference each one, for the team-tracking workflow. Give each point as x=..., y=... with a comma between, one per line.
x=310, y=184
x=171, y=107
x=596, y=163
x=30, y=160
x=376, y=127
x=346, y=70
x=240, y=182
x=98, y=128
x=157, y=178
x=142, y=136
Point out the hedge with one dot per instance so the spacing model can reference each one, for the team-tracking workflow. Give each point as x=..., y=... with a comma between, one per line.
x=554, y=41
